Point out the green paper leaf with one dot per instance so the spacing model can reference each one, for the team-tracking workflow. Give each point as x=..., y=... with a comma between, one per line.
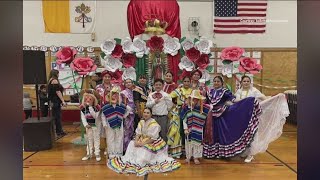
x=118, y=41
x=207, y=83
x=229, y=87
x=182, y=39
x=225, y=62
x=195, y=40
x=182, y=53
x=209, y=68
x=75, y=86
x=103, y=55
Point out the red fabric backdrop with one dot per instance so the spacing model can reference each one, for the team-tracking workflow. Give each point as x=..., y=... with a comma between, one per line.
x=139, y=11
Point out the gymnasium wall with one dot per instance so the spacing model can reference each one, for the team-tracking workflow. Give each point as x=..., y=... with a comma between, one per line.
x=277, y=46
x=112, y=22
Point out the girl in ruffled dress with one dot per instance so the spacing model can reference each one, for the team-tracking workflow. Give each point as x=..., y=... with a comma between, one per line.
x=231, y=126
x=128, y=125
x=274, y=112
x=176, y=132
x=147, y=153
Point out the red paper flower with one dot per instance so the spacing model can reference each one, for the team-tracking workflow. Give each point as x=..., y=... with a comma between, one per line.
x=155, y=43
x=129, y=60
x=193, y=54
x=65, y=55
x=116, y=77
x=117, y=51
x=203, y=61
x=157, y=96
x=83, y=65
x=232, y=53
x=184, y=74
x=249, y=65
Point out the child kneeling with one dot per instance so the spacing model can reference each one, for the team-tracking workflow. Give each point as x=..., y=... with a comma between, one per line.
x=147, y=153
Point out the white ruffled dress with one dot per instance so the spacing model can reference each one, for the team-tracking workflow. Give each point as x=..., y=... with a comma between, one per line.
x=151, y=158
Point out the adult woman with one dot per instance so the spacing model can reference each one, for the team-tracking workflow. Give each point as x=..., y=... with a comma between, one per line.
x=195, y=84
x=175, y=133
x=128, y=125
x=147, y=153
x=273, y=117
x=232, y=126
x=169, y=85
x=55, y=97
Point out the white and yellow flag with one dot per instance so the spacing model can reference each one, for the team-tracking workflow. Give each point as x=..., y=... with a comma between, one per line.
x=69, y=16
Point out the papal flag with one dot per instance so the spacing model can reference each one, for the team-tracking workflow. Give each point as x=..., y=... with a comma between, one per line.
x=69, y=16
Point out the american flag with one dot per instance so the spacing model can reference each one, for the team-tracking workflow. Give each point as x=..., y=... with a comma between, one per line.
x=239, y=16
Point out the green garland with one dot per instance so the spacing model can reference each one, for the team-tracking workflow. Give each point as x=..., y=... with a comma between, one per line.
x=141, y=66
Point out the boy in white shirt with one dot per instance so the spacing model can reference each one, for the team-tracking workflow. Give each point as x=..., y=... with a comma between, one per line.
x=89, y=116
x=161, y=103
x=27, y=105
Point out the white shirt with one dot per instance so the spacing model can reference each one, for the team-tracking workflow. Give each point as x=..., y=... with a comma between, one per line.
x=93, y=114
x=27, y=105
x=161, y=108
x=252, y=92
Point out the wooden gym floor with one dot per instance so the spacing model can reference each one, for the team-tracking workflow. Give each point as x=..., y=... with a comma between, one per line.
x=63, y=161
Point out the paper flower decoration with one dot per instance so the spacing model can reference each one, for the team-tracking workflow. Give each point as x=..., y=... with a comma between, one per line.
x=83, y=65
x=171, y=46
x=108, y=46
x=249, y=65
x=186, y=64
x=231, y=53
x=65, y=55
x=204, y=46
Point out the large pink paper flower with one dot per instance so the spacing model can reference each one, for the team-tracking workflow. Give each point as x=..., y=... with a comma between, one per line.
x=65, y=55
x=249, y=65
x=83, y=65
x=231, y=53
